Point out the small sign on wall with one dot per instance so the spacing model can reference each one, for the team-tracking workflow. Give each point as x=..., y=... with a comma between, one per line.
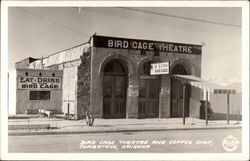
x=165, y=90
x=39, y=83
x=159, y=68
x=133, y=90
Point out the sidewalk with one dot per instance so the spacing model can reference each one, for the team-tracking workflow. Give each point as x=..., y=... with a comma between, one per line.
x=61, y=126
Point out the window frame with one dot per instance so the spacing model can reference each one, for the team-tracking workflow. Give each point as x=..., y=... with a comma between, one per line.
x=39, y=97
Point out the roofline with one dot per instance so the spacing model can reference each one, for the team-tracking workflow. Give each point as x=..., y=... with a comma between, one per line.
x=25, y=59
x=39, y=69
x=56, y=52
x=67, y=49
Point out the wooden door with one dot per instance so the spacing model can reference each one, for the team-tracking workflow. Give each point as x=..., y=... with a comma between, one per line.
x=177, y=99
x=114, y=96
x=148, y=98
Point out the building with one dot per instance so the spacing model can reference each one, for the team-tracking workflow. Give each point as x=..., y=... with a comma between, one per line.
x=38, y=89
x=111, y=77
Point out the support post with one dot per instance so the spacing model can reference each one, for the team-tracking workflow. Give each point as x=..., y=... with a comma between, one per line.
x=68, y=109
x=160, y=107
x=183, y=105
x=206, y=108
x=228, y=106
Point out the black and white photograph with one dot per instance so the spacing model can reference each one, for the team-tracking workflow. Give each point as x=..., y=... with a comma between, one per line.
x=121, y=80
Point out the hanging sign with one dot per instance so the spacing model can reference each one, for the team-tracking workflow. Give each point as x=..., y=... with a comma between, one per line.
x=39, y=83
x=159, y=68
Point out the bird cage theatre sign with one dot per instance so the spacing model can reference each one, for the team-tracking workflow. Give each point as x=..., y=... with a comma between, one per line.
x=111, y=77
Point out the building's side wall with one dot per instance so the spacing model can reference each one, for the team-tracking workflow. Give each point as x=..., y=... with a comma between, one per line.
x=22, y=95
x=69, y=89
x=22, y=64
x=133, y=59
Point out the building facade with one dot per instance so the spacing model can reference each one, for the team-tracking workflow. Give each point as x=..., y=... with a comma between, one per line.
x=38, y=89
x=111, y=77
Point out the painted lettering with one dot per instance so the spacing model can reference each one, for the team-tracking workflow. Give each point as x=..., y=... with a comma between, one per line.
x=145, y=46
x=170, y=47
x=184, y=49
x=150, y=46
x=125, y=44
x=22, y=79
x=110, y=43
x=164, y=47
x=134, y=45
x=139, y=45
x=175, y=48
x=180, y=48
x=39, y=82
x=119, y=44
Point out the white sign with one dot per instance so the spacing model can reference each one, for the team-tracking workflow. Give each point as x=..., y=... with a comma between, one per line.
x=159, y=68
x=39, y=83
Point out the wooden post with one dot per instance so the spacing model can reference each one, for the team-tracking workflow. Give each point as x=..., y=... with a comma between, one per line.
x=228, y=108
x=183, y=105
x=68, y=109
x=206, y=108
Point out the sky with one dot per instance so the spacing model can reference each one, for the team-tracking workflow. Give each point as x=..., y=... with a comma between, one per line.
x=40, y=31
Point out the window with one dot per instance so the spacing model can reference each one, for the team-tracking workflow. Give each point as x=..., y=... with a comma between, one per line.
x=39, y=95
x=146, y=68
x=114, y=66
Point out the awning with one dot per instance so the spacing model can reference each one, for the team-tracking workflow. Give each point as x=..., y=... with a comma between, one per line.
x=204, y=84
x=207, y=87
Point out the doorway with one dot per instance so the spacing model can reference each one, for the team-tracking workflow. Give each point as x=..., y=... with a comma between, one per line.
x=177, y=93
x=114, y=90
x=148, y=103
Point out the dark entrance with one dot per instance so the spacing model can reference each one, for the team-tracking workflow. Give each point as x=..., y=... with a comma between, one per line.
x=177, y=94
x=148, y=93
x=114, y=90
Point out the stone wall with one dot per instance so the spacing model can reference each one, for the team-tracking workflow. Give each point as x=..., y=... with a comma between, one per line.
x=133, y=60
x=83, y=86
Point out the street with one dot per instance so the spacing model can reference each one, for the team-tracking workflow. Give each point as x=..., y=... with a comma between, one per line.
x=182, y=141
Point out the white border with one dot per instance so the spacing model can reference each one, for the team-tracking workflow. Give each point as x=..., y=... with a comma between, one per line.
x=127, y=156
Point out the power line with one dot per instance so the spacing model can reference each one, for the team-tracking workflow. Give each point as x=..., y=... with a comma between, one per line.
x=53, y=22
x=179, y=17
x=159, y=20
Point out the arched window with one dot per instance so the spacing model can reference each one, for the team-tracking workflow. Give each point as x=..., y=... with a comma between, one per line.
x=146, y=68
x=179, y=69
x=114, y=66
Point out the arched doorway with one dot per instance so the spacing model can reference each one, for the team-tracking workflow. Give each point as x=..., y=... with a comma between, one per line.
x=114, y=90
x=177, y=93
x=149, y=87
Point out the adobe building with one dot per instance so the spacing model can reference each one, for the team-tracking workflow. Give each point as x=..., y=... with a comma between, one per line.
x=114, y=77
x=38, y=89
